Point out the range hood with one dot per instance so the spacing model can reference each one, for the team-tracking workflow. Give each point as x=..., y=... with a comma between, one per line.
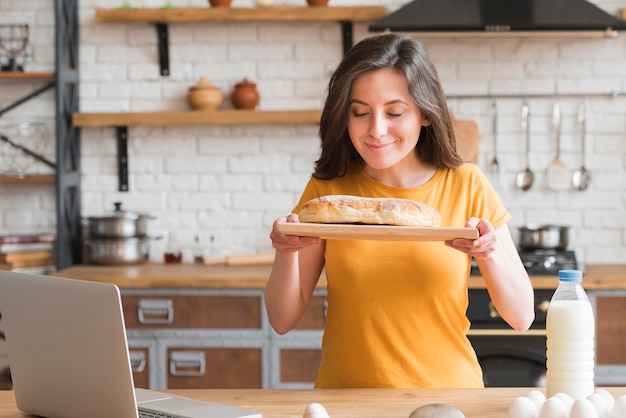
x=518, y=18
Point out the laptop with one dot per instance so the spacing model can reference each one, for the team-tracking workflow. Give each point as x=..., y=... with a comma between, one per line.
x=68, y=353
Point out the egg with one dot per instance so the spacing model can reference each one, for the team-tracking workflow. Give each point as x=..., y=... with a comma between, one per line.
x=619, y=408
x=553, y=408
x=537, y=397
x=583, y=408
x=600, y=403
x=607, y=397
x=315, y=410
x=522, y=407
x=567, y=400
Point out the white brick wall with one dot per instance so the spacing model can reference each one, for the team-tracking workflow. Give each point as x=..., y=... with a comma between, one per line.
x=234, y=181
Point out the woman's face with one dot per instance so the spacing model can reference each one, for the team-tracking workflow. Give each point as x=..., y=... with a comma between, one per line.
x=383, y=122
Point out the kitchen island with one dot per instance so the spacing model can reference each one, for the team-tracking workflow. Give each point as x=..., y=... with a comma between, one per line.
x=355, y=403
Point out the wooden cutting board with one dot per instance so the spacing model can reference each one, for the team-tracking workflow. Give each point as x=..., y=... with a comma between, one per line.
x=376, y=232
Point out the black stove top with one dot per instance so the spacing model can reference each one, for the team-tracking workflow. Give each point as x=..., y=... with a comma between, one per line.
x=542, y=262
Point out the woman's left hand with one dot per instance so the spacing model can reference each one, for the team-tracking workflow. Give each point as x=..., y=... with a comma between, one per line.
x=483, y=246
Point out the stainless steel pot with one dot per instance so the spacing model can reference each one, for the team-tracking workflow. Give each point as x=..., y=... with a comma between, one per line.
x=118, y=224
x=116, y=251
x=546, y=237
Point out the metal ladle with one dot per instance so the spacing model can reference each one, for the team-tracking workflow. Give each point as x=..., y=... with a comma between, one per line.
x=582, y=177
x=525, y=178
x=494, y=165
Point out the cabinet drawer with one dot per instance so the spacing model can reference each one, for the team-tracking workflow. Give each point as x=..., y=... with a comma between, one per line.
x=188, y=311
x=610, y=330
x=214, y=368
x=315, y=316
x=298, y=365
x=140, y=365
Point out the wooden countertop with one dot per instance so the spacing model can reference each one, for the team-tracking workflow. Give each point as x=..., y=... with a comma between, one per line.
x=362, y=403
x=159, y=275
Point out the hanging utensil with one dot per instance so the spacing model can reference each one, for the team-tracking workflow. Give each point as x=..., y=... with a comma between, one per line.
x=558, y=177
x=494, y=165
x=526, y=178
x=582, y=176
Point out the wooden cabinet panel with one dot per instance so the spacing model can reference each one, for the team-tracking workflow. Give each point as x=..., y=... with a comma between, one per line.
x=299, y=365
x=184, y=311
x=140, y=365
x=610, y=330
x=315, y=316
x=214, y=368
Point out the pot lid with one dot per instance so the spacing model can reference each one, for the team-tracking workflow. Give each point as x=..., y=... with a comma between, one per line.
x=118, y=213
x=204, y=84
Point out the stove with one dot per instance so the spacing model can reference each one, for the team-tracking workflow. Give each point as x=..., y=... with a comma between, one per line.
x=548, y=262
x=542, y=262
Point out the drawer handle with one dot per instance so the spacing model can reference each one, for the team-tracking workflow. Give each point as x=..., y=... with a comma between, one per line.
x=137, y=361
x=187, y=363
x=155, y=311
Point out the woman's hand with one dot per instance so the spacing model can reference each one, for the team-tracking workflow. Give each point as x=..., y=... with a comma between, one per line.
x=288, y=244
x=483, y=246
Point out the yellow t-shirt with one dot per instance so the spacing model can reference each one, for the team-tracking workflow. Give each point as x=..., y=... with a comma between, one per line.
x=396, y=310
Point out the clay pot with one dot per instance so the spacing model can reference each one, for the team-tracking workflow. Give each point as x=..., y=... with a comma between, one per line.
x=245, y=95
x=317, y=3
x=220, y=3
x=205, y=96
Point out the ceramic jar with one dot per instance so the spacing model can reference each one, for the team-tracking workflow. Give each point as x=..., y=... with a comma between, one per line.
x=245, y=95
x=220, y=3
x=205, y=96
x=317, y=3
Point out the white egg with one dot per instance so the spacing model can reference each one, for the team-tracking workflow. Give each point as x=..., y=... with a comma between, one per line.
x=619, y=408
x=567, y=400
x=315, y=410
x=600, y=404
x=607, y=397
x=522, y=407
x=553, y=408
x=583, y=408
x=537, y=397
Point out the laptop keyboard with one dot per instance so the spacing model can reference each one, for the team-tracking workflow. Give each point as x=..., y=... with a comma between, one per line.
x=145, y=413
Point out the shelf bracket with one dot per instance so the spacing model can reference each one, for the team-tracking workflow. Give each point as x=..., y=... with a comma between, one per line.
x=122, y=157
x=346, y=35
x=164, y=53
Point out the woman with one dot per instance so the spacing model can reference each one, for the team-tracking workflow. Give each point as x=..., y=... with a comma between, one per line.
x=396, y=310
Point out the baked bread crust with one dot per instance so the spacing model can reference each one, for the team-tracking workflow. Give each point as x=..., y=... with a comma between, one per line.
x=368, y=210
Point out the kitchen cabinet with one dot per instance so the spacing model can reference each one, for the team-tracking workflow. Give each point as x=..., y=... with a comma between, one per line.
x=610, y=306
x=217, y=338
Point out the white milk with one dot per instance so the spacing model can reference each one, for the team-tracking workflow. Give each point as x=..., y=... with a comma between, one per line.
x=570, y=348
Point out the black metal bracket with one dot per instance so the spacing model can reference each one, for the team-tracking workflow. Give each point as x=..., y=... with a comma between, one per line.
x=347, y=36
x=122, y=157
x=27, y=98
x=164, y=53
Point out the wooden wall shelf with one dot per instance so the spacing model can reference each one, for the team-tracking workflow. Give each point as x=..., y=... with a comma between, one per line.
x=310, y=14
x=6, y=75
x=31, y=178
x=218, y=117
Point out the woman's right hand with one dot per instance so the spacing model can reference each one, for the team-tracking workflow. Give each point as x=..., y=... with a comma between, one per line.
x=288, y=244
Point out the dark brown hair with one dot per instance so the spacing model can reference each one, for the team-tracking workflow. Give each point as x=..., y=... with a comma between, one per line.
x=408, y=57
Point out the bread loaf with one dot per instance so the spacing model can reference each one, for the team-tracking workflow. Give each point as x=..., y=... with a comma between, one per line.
x=368, y=210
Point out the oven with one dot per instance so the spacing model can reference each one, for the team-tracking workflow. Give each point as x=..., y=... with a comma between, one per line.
x=510, y=358
x=507, y=357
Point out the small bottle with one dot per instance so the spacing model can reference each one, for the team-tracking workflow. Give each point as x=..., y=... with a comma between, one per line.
x=570, y=331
